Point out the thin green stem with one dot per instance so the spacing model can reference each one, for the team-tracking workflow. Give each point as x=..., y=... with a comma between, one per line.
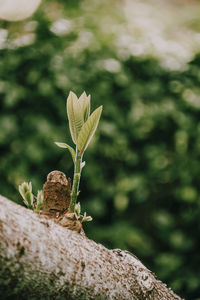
x=76, y=181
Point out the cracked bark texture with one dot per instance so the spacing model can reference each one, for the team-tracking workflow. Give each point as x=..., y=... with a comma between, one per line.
x=43, y=260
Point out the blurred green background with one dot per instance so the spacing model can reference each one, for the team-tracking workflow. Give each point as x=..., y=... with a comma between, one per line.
x=141, y=60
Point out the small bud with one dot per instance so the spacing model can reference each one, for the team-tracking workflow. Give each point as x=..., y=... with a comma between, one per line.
x=25, y=190
x=86, y=218
x=78, y=209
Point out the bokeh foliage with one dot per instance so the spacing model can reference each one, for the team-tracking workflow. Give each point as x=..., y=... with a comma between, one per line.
x=142, y=177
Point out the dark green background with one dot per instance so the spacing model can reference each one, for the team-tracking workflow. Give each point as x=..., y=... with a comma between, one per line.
x=142, y=177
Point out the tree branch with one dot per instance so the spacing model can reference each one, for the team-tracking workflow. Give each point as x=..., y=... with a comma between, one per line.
x=42, y=260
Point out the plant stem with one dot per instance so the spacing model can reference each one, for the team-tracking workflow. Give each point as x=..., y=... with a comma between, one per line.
x=76, y=180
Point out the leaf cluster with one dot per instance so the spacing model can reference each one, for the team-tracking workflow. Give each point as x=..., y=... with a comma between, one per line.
x=31, y=201
x=82, y=125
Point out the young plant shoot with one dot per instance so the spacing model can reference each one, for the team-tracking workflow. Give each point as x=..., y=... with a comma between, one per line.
x=82, y=128
x=32, y=202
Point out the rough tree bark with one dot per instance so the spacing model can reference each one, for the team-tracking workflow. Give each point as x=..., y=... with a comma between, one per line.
x=42, y=260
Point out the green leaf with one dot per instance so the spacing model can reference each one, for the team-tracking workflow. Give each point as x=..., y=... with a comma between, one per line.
x=24, y=188
x=29, y=199
x=88, y=129
x=71, y=150
x=84, y=101
x=40, y=198
x=75, y=115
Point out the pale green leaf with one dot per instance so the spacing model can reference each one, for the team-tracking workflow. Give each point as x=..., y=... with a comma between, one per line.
x=84, y=101
x=71, y=150
x=25, y=187
x=86, y=218
x=40, y=199
x=88, y=129
x=77, y=209
x=75, y=115
x=83, y=164
x=28, y=199
x=30, y=186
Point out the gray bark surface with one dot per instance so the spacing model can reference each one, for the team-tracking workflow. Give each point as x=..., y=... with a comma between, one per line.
x=43, y=260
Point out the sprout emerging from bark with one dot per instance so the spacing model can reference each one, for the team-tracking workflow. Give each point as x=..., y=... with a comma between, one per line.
x=82, y=127
x=32, y=202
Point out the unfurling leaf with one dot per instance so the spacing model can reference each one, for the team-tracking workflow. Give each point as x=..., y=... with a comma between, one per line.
x=25, y=190
x=84, y=101
x=71, y=150
x=78, y=209
x=24, y=187
x=75, y=115
x=40, y=198
x=88, y=129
